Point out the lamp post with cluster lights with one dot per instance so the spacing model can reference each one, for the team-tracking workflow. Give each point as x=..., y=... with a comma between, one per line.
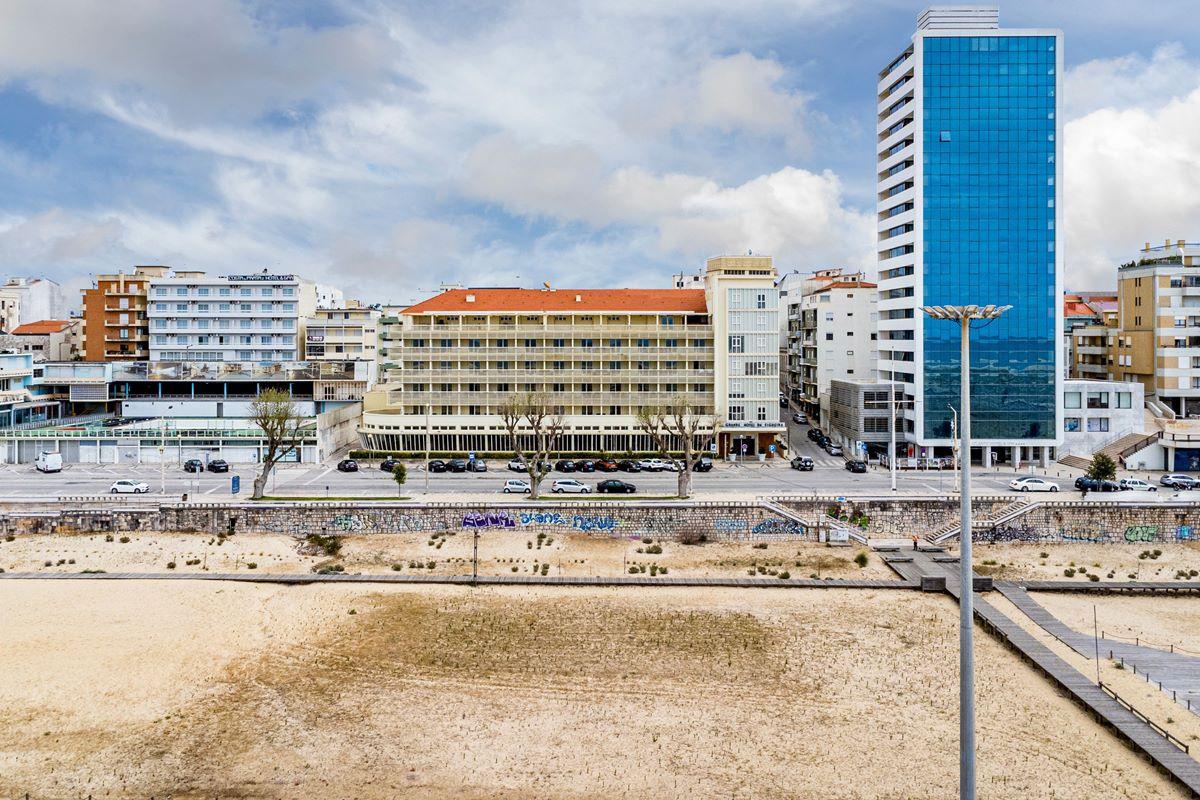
x=966, y=658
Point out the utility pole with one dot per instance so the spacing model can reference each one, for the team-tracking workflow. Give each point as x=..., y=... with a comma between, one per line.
x=954, y=449
x=892, y=438
x=428, y=434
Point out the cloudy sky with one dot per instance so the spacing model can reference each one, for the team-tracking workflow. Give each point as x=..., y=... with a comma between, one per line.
x=386, y=146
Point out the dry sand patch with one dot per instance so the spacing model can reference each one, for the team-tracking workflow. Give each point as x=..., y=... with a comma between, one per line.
x=1019, y=561
x=536, y=692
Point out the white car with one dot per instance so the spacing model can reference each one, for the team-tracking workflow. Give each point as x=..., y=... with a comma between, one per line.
x=799, y=418
x=516, y=465
x=671, y=465
x=569, y=485
x=1135, y=485
x=1031, y=484
x=514, y=485
x=129, y=487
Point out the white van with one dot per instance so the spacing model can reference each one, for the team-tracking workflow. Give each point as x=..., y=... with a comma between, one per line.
x=49, y=462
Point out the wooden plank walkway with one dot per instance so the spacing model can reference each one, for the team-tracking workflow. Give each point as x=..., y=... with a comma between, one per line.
x=1167, y=755
x=466, y=580
x=1177, y=674
x=1111, y=586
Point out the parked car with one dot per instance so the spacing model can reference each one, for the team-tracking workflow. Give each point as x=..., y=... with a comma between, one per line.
x=476, y=465
x=1136, y=485
x=129, y=487
x=437, y=465
x=607, y=465
x=628, y=465
x=1031, y=484
x=856, y=465
x=454, y=465
x=587, y=465
x=783, y=401
x=348, y=465
x=515, y=485
x=564, y=465
x=1093, y=485
x=218, y=465
x=569, y=485
x=833, y=449
x=814, y=434
x=389, y=464
x=671, y=465
x=799, y=419
x=613, y=486
x=704, y=464
x=653, y=465
x=802, y=463
x=193, y=465
x=1178, y=481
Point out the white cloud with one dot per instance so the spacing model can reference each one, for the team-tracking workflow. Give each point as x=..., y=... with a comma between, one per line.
x=1130, y=170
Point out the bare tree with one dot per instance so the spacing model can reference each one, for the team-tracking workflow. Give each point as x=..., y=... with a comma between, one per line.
x=677, y=426
x=281, y=423
x=530, y=419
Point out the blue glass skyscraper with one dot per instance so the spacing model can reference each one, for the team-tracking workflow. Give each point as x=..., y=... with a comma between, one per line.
x=969, y=171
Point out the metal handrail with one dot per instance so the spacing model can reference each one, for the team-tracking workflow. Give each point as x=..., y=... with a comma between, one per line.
x=1166, y=734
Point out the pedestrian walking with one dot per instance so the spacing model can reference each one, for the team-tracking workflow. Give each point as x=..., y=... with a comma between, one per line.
x=914, y=538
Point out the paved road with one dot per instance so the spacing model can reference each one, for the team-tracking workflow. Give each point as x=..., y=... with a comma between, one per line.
x=741, y=480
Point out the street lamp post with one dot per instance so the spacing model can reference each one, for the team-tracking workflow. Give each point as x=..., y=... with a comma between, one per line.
x=966, y=656
x=954, y=448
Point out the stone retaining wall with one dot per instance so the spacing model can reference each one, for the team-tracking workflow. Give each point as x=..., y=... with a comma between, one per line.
x=1049, y=521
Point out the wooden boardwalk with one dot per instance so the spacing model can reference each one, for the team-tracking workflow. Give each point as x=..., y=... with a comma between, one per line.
x=464, y=580
x=1168, y=754
x=1132, y=587
x=1177, y=674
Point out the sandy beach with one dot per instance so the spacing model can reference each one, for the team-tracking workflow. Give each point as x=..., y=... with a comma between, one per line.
x=201, y=689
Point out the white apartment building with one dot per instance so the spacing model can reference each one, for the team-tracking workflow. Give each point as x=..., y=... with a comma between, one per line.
x=600, y=355
x=340, y=334
x=24, y=300
x=969, y=176
x=255, y=317
x=330, y=297
x=831, y=336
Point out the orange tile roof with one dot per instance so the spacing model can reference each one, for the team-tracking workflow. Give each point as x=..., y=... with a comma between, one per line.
x=847, y=285
x=41, y=327
x=689, y=301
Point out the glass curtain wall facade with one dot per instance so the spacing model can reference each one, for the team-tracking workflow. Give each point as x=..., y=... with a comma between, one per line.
x=989, y=232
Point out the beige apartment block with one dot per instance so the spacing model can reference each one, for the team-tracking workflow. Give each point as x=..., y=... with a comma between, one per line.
x=340, y=334
x=598, y=355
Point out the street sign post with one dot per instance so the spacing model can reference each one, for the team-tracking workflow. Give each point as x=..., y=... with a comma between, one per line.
x=235, y=484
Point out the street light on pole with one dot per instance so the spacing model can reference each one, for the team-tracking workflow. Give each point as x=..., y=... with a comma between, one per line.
x=954, y=448
x=966, y=657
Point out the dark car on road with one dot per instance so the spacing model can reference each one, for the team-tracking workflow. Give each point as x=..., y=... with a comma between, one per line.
x=704, y=464
x=802, y=463
x=856, y=465
x=388, y=464
x=587, y=465
x=613, y=486
x=814, y=434
x=607, y=465
x=193, y=465
x=437, y=465
x=347, y=465
x=1084, y=483
x=628, y=465
x=564, y=465
x=456, y=465
x=218, y=465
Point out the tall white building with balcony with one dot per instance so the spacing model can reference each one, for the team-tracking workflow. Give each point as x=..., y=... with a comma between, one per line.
x=255, y=317
x=341, y=334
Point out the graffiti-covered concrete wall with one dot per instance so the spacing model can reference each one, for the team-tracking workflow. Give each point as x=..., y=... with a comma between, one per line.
x=1099, y=523
x=712, y=521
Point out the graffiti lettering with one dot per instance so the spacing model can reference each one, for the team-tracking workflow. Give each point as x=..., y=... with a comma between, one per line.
x=594, y=523
x=1091, y=537
x=1141, y=533
x=1007, y=533
x=730, y=525
x=577, y=522
x=347, y=522
x=478, y=519
x=1184, y=533
x=774, y=526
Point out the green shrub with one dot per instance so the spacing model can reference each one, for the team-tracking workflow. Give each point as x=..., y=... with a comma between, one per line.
x=861, y=559
x=785, y=575
x=1093, y=577
x=634, y=571
x=654, y=549
x=124, y=540
x=251, y=565
x=397, y=567
x=330, y=545
x=170, y=565
x=1070, y=573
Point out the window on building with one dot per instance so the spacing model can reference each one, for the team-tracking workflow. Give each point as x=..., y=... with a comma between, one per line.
x=829, y=337
x=1124, y=399
x=1097, y=424
x=1097, y=399
x=614, y=387
x=737, y=344
x=1071, y=424
x=737, y=413
x=1071, y=399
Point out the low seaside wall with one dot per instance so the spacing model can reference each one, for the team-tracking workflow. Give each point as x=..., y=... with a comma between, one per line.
x=1046, y=521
